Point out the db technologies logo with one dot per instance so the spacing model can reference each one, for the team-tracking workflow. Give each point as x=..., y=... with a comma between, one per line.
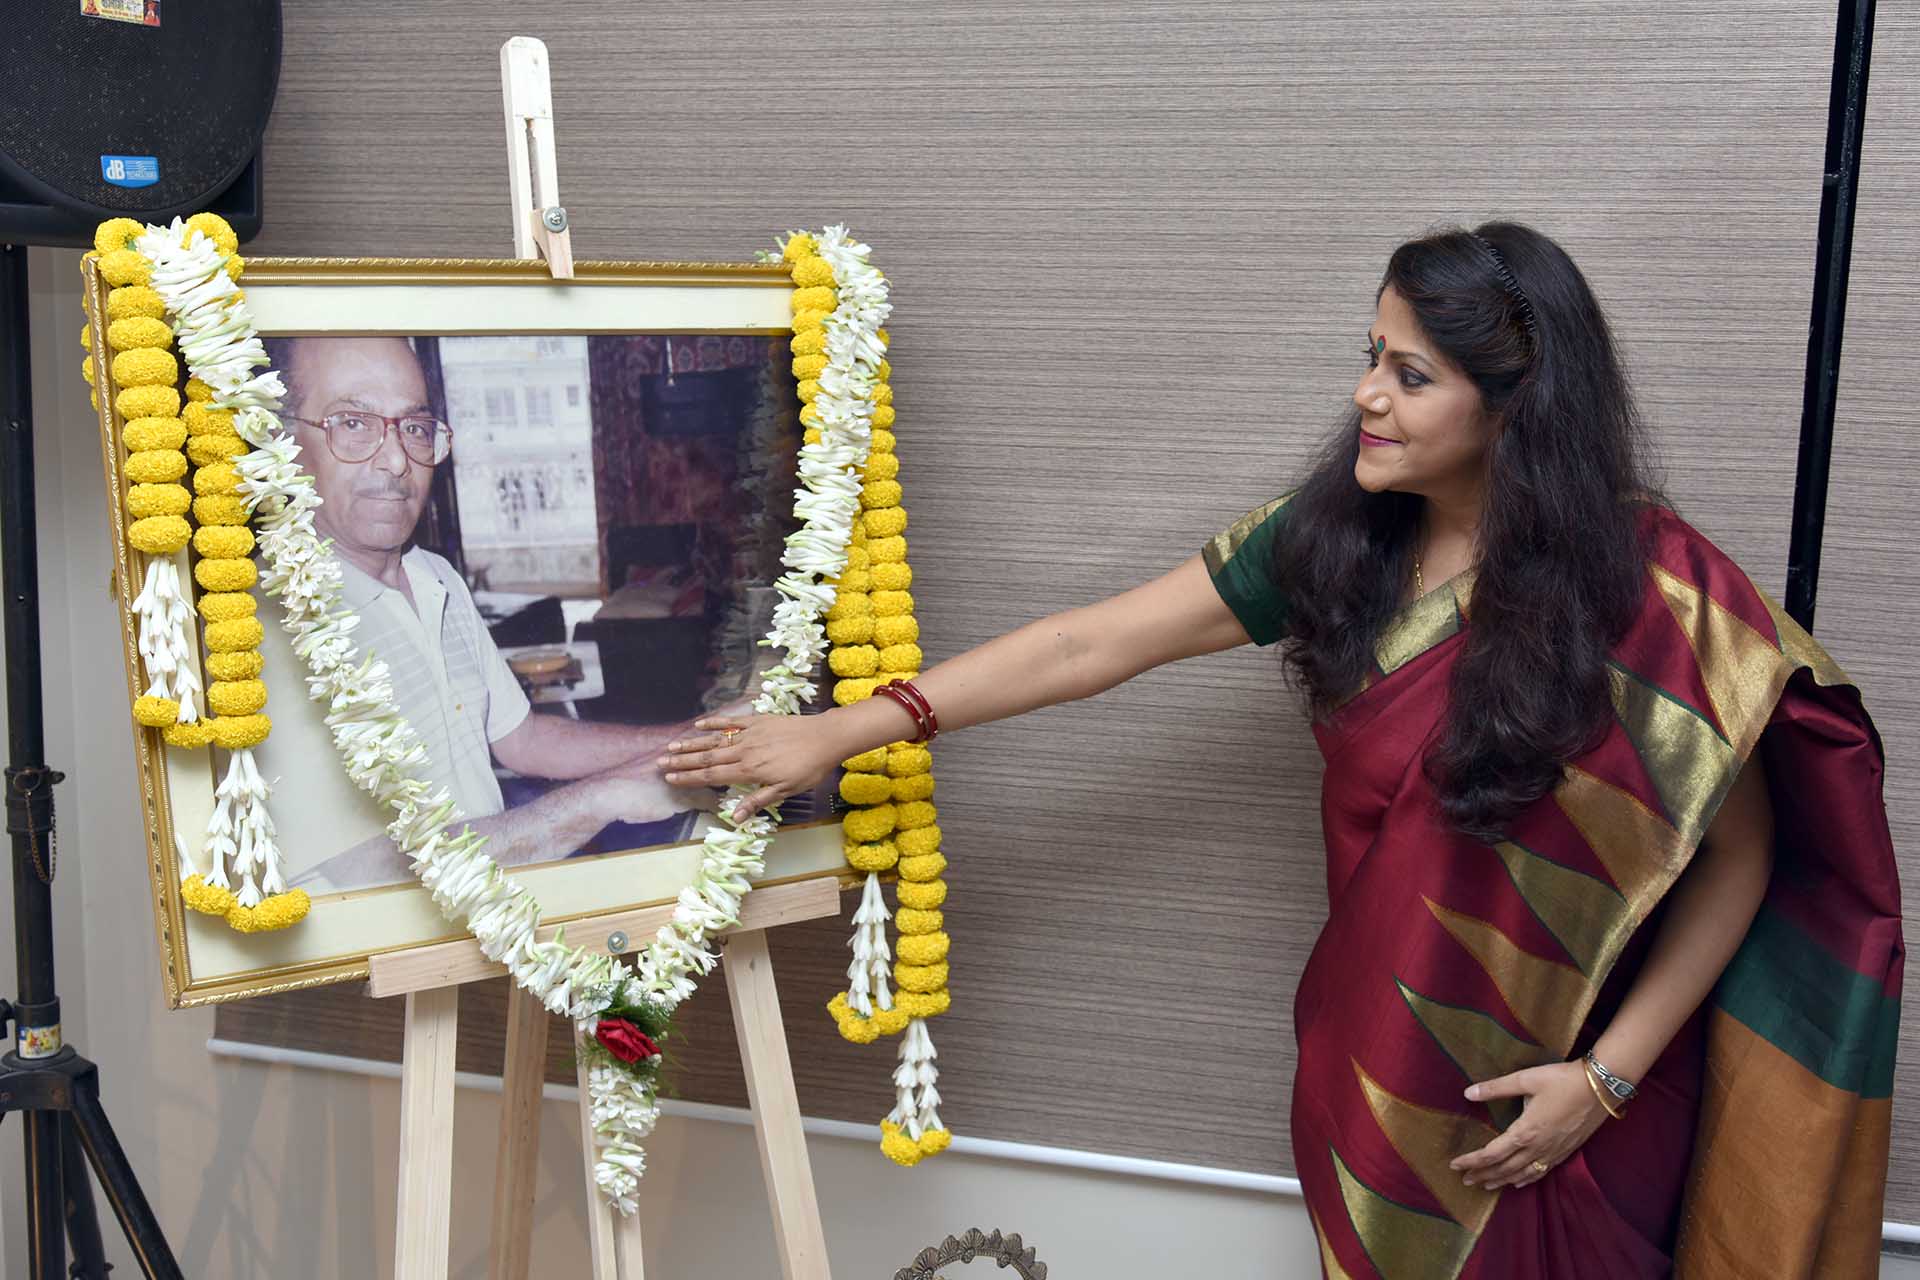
x=130, y=171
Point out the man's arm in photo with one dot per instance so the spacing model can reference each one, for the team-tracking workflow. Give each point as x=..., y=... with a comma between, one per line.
x=551, y=826
x=559, y=747
x=547, y=746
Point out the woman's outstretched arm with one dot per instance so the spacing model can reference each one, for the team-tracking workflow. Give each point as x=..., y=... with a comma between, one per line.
x=1068, y=655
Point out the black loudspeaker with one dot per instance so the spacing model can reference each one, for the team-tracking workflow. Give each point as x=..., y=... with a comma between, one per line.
x=148, y=109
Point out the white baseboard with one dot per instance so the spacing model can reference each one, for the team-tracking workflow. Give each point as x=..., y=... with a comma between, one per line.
x=991, y=1148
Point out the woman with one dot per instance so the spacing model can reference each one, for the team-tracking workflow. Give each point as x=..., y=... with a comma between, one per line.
x=1581, y=775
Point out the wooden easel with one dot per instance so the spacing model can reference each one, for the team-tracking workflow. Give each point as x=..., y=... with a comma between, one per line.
x=430, y=977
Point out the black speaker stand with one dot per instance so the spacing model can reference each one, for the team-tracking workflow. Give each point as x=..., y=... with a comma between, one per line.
x=56, y=1091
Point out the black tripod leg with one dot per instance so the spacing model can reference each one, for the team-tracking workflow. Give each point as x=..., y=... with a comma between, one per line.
x=46, y=1234
x=122, y=1190
x=83, y=1223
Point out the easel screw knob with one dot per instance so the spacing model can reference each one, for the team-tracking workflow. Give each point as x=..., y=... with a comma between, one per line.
x=617, y=942
x=554, y=218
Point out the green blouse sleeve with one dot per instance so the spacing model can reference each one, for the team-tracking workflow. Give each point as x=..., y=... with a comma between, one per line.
x=1240, y=560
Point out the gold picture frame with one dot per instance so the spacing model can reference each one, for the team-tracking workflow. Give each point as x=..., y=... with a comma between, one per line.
x=202, y=961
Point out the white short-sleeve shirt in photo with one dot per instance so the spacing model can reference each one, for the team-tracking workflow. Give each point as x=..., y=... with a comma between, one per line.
x=449, y=682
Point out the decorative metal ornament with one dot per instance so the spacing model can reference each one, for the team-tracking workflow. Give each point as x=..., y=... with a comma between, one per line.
x=1006, y=1251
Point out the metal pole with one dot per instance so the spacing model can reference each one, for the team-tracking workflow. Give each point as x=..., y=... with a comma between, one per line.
x=83, y=1223
x=29, y=786
x=1846, y=122
x=56, y=1090
x=20, y=579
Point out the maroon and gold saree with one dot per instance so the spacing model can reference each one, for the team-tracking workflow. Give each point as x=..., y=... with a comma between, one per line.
x=1758, y=1144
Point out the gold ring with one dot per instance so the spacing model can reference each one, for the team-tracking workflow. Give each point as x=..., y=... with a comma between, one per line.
x=1540, y=1167
x=730, y=735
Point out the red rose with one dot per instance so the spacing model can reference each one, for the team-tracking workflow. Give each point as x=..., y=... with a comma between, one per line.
x=625, y=1041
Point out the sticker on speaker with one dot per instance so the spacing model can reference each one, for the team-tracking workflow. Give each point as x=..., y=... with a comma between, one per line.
x=144, y=12
x=130, y=171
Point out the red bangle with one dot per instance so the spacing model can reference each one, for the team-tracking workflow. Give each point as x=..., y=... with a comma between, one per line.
x=909, y=698
x=922, y=709
x=930, y=722
x=906, y=704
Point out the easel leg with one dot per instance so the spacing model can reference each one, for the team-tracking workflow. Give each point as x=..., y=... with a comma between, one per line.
x=801, y=1240
x=615, y=1240
x=423, y=1226
x=511, y=1248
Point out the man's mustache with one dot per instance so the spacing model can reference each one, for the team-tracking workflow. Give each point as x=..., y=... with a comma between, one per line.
x=382, y=491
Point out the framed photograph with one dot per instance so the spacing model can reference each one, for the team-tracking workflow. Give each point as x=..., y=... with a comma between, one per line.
x=558, y=508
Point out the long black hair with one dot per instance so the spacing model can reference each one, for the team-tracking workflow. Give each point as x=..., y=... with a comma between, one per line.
x=1559, y=554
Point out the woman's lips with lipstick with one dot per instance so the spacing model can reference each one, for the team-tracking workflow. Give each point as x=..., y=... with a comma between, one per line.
x=1373, y=441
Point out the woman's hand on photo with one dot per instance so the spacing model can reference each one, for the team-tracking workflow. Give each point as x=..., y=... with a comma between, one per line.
x=780, y=756
x=737, y=712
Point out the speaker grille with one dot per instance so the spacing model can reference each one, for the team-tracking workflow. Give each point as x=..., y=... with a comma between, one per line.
x=194, y=93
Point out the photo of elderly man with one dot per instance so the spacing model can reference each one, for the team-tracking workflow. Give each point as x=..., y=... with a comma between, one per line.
x=370, y=436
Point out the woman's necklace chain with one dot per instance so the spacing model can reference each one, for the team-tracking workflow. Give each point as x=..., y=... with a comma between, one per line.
x=1419, y=579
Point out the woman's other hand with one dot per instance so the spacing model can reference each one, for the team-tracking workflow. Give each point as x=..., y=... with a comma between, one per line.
x=1559, y=1115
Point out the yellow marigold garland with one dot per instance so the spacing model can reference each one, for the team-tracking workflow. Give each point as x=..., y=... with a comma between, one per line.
x=891, y=823
x=146, y=372
x=141, y=370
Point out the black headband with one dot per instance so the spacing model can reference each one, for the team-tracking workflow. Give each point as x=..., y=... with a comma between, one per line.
x=1511, y=285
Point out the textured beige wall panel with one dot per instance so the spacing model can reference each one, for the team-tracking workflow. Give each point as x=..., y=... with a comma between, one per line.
x=1869, y=602
x=1134, y=246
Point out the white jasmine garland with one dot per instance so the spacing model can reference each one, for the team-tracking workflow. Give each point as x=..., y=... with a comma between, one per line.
x=190, y=277
x=166, y=646
x=916, y=1099
x=382, y=754
x=867, y=975
x=241, y=831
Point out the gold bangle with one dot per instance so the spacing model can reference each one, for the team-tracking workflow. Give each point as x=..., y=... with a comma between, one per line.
x=1599, y=1093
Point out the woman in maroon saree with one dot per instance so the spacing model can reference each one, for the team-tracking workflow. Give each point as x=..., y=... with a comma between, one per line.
x=1519, y=954
x=1610, y=979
